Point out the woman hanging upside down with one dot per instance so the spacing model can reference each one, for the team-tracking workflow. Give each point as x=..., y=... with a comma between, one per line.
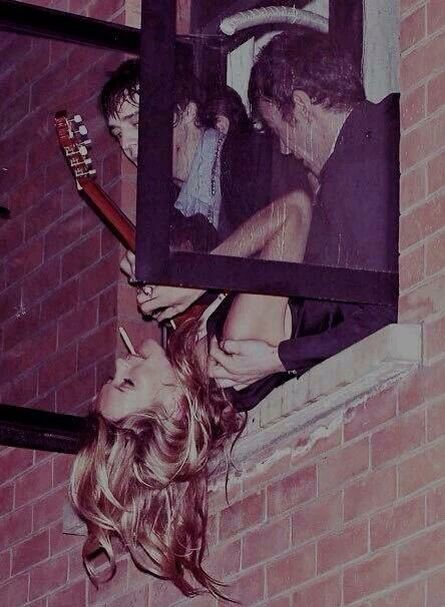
x=160, y=422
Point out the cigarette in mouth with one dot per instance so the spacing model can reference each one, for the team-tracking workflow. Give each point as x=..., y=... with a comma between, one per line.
x=127, y=341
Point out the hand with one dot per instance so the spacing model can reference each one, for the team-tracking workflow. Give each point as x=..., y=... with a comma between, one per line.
x=164, y=303
x=238, y=363
x=128, y=265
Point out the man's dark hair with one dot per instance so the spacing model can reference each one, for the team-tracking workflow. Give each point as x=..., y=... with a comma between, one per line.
x=123, y=84
x=309, y=61
x=225, y=101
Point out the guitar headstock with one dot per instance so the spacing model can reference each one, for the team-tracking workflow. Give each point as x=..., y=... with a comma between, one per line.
x=73, y=139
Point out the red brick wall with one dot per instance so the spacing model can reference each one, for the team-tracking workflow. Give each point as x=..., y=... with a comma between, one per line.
x=358, y=520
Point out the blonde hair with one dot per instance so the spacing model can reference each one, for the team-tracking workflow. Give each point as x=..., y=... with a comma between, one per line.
x=144, y=477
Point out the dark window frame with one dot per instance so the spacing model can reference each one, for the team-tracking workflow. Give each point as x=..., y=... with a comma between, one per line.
x=29, y=428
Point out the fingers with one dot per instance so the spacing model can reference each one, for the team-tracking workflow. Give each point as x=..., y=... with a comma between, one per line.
x=128, y=264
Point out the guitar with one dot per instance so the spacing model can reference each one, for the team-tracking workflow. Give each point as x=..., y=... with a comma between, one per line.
x=73, y=139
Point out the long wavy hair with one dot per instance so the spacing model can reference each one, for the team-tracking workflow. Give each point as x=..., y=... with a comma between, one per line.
x=144, y=478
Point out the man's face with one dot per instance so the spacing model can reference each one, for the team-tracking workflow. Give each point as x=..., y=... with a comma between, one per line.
x=124, y=126
x=294, y=135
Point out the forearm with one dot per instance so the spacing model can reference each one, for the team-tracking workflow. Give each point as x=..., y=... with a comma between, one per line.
x=253, y=236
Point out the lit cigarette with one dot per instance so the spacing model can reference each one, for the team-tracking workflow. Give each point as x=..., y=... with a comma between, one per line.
x=127, y=341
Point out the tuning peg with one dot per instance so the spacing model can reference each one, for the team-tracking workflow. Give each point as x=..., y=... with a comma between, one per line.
x=83, y=150
x=77, y=119
x=88, y=161
x=83, y=130
x=86, y=142
x=92, y=172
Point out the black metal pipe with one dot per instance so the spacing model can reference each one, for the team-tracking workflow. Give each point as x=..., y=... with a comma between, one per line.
x=59, y=25
x=34, y=429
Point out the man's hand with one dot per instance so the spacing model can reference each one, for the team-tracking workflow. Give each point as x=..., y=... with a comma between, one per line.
x=164, y=303
x=128, y=265
x=236, y=364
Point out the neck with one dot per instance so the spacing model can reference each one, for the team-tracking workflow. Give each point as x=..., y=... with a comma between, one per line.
x=328, y=125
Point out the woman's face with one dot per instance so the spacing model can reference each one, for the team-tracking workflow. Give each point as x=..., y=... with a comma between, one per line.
x=142, y=382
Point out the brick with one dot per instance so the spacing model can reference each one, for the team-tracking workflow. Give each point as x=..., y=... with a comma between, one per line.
x=48, y=576
x=435, y=15
x=342, y=547
x=79, y=321
x=99, y=343
x=434, y=335
x=413, y=28
x=411, y=391
x=436, y=177
x=401, y=436
x=52, y=80
x=436, y=505
x=291, y=570
x=421, y=553
x=79, y=390
x=49, y=509
x=242, y=515
x=108, y=303
x=411, y=268
x=59, y=302
x=14, y=527
x=6, y=498
x=5, y=565
x=62, y=464
x=225, y=560
x=14, y=112
x=343, y=465
x=436, y=590
x=63, y=233
x=374, y=411
x=41, y=216
x=248, y=590
x=41, y=282
x=81, y=256
x=421, y=61
x=30, y=552
x=422, y=141
x=15, y=592
x=374, y=491
x=141, y=597
x=421, y=469
x=369, y=576
x=283, y=601
x=24, y=260
x=73, y=595
x=21, y=326
x=435, y=254
x=422, y=221
x=34, y=483
x=400, y=521
x=100, y=276
x=317, y=518
x=62, y=542
x=435, y=93
x=13, y=462
x=21, y=391
x=412, y=595
x=57, y=369
x=268, y=541
x=295, y=489
x=326, y=592
x=9, y=303
x=412, y=187
x=319, y=448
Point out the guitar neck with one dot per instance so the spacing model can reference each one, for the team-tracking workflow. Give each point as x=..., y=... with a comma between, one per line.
x=110, y=212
